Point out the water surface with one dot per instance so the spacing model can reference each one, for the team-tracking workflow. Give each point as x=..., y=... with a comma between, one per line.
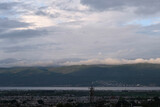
x=84, y=88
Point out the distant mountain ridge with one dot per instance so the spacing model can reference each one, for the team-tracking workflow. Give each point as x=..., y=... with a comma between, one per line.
x=82, y=75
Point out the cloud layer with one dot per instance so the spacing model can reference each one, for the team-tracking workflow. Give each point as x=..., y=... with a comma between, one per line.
x=110, y=61
x=70, y=62
x=40, y=32
x=140, y=6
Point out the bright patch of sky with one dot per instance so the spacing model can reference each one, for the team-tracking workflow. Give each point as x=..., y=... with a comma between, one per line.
x=144, y=22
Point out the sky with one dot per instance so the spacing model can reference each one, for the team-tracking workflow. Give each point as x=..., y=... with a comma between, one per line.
x=70, y=32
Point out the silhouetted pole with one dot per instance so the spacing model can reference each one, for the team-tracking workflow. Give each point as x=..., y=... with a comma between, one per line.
x=91, y=95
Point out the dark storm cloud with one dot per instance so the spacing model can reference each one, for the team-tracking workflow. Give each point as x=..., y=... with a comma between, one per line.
x=143, y=6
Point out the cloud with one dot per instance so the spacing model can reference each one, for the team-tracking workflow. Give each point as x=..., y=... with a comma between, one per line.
x=49, y=30
x=26, y=48
x=37, y=21
x=110, y=61
x=8, y=24
x=7, y=5
x=10, y=62
x=21, y=34
x=141, y=6
x=151, y=30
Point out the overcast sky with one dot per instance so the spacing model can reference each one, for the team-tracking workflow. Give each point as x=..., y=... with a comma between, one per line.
x=51, y=32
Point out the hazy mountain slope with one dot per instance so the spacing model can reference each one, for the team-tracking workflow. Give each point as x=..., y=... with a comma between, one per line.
x=81, y=75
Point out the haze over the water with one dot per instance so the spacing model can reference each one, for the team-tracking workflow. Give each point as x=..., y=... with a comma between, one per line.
x=74, y=32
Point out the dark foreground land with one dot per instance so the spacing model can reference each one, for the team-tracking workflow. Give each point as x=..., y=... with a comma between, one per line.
x=79, y=99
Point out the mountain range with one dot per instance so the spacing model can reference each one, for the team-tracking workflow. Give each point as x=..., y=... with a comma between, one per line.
x=82, y=75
